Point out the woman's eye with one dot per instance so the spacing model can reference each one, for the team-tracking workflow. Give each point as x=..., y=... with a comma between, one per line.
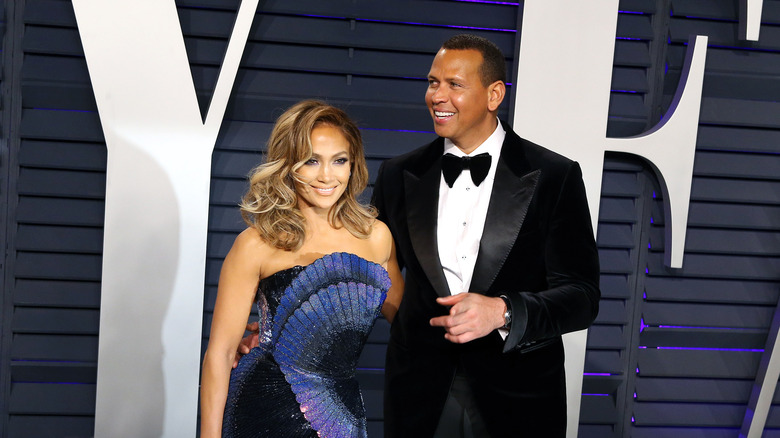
x=310, y=161
x=342, y=161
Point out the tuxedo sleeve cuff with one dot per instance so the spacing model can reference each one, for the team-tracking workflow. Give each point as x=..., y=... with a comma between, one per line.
x=517, y=328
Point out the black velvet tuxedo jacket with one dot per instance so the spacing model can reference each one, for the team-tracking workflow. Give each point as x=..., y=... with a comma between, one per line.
x=537, y=248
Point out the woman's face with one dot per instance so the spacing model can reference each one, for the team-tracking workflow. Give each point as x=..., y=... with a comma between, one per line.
x=324, y=177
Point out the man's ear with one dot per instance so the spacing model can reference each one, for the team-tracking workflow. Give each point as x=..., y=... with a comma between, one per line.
x=496, y=92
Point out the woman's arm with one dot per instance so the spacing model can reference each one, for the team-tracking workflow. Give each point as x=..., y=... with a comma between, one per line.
x=237, y=287
x=396, y=292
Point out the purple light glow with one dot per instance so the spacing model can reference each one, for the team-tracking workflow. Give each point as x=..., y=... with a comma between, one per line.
x=702, y=328
x=632, y=12
x=642, y=324
x=597, y=374
x=436, y=25
x=625, y=91
x=409, y=22
x=750, y=350
x=61, y=109
x=489, y=2
x=651, y=219
x=629, y=39
x=397, y=130
x=597, y=395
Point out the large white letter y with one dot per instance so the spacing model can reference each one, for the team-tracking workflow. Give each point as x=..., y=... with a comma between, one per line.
x=157, y=189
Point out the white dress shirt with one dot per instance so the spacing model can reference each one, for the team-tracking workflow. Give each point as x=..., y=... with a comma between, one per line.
x=462, y=212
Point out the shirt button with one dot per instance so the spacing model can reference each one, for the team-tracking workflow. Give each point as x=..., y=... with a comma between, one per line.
x=468, y=188
x=464, y=224
x=463, y=257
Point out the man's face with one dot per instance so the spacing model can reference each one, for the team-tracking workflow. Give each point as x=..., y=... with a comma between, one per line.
x=457, y=99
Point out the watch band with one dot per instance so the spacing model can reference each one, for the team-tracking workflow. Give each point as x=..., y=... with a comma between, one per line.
x=508, y=313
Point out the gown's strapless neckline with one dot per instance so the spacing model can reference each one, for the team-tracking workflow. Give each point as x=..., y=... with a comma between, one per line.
x=299, y=267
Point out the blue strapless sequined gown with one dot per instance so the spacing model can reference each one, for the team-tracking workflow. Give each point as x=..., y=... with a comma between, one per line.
x=300, y=381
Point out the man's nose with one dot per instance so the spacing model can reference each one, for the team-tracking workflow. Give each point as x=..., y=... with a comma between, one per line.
x=439, y=95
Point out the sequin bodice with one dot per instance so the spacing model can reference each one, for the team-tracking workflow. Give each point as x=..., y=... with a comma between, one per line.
x=314, y=321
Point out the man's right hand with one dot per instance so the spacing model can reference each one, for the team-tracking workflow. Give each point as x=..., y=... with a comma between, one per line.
x=249, y=342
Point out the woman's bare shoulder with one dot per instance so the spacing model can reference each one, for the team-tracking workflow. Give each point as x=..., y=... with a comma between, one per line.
x=381, y=240
x=251, y=248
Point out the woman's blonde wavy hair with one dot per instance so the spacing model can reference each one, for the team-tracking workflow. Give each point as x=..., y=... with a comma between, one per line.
x=270, y=205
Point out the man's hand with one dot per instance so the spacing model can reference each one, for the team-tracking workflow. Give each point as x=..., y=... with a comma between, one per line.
x=472, y=316
x=249, y=342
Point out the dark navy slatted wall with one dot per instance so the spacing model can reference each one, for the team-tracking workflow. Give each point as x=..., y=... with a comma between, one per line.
x=706, y=324
x=371, y=58
x=56, y=228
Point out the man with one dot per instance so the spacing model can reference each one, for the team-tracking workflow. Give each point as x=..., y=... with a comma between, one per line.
x=500, y=261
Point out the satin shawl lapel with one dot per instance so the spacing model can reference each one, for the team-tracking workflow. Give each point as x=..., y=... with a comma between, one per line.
x=422, y=201
x=513, y=190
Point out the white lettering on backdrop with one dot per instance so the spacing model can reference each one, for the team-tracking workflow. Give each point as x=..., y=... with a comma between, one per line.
x=157, y=190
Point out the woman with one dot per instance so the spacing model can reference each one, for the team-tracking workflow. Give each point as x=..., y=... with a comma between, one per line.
x=319, y=266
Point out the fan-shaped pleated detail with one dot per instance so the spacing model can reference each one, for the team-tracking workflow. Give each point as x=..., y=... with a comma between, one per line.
x=301, y=381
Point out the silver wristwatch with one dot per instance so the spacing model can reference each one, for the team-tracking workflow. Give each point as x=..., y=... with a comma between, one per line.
x=508, y=313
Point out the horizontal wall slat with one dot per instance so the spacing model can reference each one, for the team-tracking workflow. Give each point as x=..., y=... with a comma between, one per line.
x=712, y=290
x=53, y=372
x=26, y=426
x=707, y=315
x=736, y=191
x=58, y=266
x=694, y=390
x=743, y=139
x=54, y=347
x=736, y=165
x=719, y=241
x=614, y=286
x=52, y=398
x=721, y=266
x=734, y=216
x=652, y=337
x=603, y=361
x=688, y=414
x=76, y=212
x=56, y=321
x=64, y=183
x=612, y=311
x=57, y=293
x=63, y=155
x=61, y=125
x=60, y=239
x=715, y=364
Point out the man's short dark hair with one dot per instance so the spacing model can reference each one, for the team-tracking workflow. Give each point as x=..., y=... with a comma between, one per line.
x=493, y=66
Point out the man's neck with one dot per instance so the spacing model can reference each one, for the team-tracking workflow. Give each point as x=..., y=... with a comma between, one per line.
x=471, y=146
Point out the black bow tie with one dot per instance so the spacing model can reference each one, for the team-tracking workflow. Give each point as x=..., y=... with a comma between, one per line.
x=452, y=166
